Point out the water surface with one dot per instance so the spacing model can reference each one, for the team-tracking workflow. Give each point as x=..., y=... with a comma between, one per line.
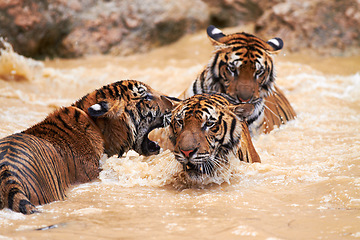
x=307, y=186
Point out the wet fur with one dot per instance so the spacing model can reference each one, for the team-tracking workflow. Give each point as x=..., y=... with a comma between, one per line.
x=204, y=151
x=252, y=79
x=40, y=163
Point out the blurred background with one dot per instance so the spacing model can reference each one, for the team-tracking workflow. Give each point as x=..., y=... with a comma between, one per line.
x=307, y=186
x=74, y=28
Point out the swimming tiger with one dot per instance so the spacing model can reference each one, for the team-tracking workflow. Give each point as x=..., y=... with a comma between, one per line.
x=206, y=130
x=39, y=164
x=242, y=67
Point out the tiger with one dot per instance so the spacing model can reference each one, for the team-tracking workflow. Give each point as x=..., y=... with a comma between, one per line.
x=38, y=164
x=242, y=67
x=206, y=130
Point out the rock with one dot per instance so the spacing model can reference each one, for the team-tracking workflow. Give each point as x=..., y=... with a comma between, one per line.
x=225, y=13
x=129, y=26
x=326, y=27
x=34, y=27
x=74, y=28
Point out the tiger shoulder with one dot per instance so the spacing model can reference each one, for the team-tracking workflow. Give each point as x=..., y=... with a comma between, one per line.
x=38, y=164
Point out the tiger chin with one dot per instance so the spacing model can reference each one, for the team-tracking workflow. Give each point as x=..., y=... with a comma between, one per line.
x=40, y=163
x=208, y=132
x=242, y=67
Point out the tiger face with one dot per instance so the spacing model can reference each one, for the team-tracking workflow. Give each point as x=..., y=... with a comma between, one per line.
x=243, y=65
x=126, y=112
x=242, y=68
x=205, y=130
x=40, y=163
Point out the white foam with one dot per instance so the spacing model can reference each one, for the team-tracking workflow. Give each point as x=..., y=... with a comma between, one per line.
x=14, y=66
x=130, y=170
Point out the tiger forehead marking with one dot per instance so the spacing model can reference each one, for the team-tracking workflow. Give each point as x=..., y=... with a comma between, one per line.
x=205, y=108
x=206, y=130
x=256, y=61
x=242, y=68
x=139, y=89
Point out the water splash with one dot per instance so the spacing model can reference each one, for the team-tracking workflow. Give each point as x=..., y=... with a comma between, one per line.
x=160, y=170
x=14, y=67
x=134, y=170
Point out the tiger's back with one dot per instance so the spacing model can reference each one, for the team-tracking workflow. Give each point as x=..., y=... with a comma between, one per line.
x=38, y=165
x=30, y=168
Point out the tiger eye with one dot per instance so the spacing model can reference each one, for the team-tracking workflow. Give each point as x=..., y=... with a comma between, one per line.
x=232, y=68
x=209, y=124
x=180, y=122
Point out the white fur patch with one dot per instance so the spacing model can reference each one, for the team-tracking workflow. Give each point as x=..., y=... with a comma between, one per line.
x=258, y=66
x=96, y=107
x=216, y=31
x=275, y=42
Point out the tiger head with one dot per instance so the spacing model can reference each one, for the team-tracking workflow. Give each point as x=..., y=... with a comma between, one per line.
x=125, y=112
x=242, y=65
x=205, y=130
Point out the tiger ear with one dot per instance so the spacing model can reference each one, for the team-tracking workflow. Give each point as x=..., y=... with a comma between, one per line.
x=276, y=44
x=215, y=35
x=112, y=109
x=98, y=109
x=242, y=110
x=170, y=102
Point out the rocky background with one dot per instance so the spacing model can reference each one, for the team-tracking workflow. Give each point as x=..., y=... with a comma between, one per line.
x=73, y=28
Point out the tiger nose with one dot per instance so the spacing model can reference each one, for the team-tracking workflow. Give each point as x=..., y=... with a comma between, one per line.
x=245, y=94
x=188, y=153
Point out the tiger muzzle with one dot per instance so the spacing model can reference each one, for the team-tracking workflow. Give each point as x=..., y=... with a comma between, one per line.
x=245, y=93
x=158, y=119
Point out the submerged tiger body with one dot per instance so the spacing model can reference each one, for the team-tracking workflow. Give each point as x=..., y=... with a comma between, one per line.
x=206, y=131
x=242, y=67
x=40, y=163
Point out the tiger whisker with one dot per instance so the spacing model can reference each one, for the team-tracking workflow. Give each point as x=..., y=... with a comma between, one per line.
x=266, y=100
x=222, y=165
x=168, y=166
x=272, y=112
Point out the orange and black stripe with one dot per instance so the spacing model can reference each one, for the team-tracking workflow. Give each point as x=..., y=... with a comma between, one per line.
x=38, y=164
x=242, y=59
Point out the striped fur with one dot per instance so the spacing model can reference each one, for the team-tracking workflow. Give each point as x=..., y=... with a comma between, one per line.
x=242, y=67
x=40, y=163
x=206, y=130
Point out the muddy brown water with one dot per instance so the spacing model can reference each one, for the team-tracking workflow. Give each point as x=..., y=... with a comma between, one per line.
x=307, y=186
